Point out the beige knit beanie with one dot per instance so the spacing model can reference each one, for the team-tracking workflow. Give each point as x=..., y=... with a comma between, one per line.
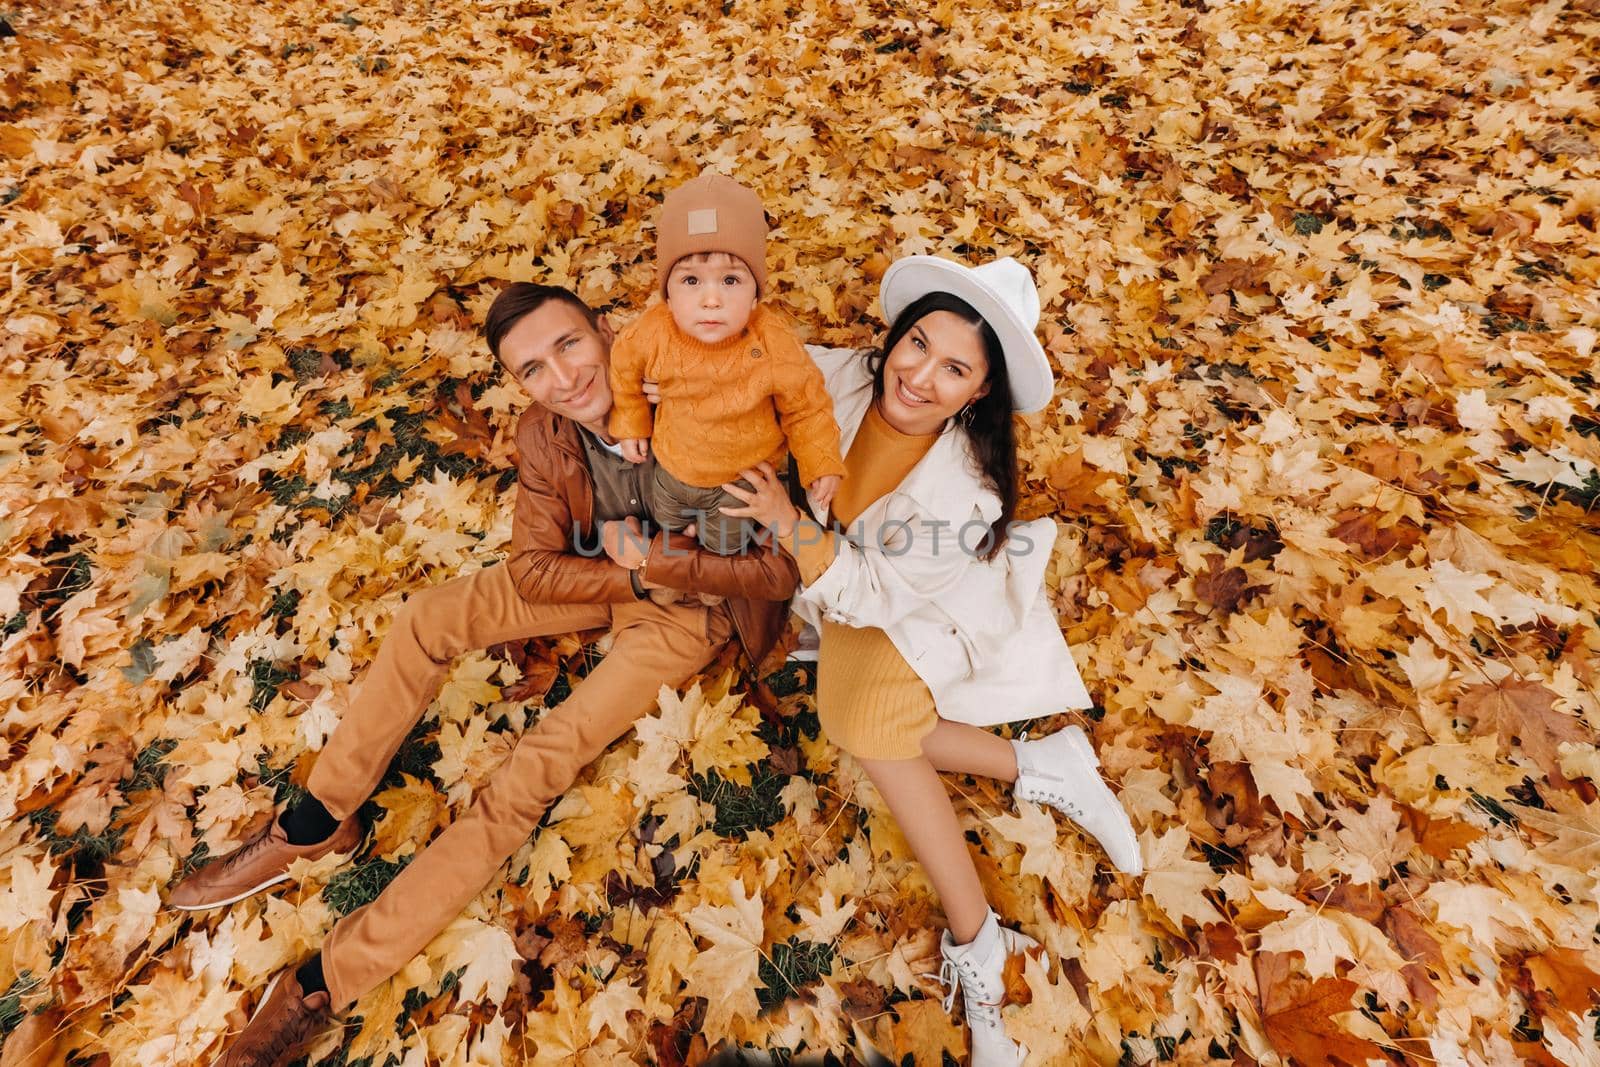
x=712, y=213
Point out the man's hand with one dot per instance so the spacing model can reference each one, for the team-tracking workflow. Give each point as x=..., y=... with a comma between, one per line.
x=624, y=541
x=822, y=490
x=635, y=449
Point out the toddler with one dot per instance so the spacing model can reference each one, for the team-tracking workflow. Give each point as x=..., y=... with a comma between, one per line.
x=735, y=384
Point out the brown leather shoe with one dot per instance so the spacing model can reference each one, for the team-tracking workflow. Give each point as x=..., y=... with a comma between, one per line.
x=259, y=863
x=284, y=1023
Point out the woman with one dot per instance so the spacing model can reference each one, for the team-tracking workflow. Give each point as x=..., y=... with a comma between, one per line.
x=931, y=606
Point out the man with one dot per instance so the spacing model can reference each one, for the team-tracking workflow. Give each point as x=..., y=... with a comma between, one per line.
x=574, y=488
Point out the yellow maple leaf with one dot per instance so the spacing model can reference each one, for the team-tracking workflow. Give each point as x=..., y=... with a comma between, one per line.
x=1052, y=1022
x=411, y=812
x=557, y=1030
x=610, y=1008
x=1176, y=883
x=548, y=866
x=379, y=1008
x=27, y=894
x=668, y=955
x=726, y=973
x=261, y=398
x=468, y=687
x=725, y=739
x=486, y=951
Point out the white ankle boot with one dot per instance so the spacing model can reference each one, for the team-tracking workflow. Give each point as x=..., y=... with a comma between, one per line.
x=977, y=969
x=1062, y=770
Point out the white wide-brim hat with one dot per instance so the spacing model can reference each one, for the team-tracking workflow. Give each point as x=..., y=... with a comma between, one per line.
x=1003, y=293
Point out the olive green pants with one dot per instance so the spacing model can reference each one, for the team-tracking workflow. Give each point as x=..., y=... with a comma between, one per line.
x=675, y=505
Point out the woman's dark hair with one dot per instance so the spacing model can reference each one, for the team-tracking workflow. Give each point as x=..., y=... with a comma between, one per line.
x=988, y=425
x=524, y=298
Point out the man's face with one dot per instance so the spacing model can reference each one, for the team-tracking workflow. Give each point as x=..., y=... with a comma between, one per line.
x=560, y=360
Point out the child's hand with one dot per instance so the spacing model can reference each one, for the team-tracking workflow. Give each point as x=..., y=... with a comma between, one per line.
x=635, y=449
x=823, y=488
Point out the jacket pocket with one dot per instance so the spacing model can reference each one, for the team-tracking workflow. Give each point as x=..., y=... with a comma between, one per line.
x=943, y=655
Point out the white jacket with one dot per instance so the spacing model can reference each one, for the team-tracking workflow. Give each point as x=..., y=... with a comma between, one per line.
x=980, y=634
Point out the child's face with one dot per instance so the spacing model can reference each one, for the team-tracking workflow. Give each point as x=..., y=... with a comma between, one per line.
x=711, y=296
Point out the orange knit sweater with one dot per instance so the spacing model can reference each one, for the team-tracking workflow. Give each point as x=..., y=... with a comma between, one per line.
x=723, y=407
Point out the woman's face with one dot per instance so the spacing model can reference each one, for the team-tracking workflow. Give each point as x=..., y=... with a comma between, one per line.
x=934, y=370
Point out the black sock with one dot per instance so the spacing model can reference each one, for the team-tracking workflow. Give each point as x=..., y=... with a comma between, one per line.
x=308, y=822
x=310, y=975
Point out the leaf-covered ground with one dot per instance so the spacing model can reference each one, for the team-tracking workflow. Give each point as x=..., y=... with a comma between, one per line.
x=1320, y=280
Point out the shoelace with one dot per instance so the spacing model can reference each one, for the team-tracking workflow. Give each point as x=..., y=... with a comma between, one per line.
x=1063, y=803
x=950, y=977
x=292, y=1034
x=248, y=847
x=1051, y=797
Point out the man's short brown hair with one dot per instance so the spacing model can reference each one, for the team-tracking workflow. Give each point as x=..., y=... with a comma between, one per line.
x=524, y=298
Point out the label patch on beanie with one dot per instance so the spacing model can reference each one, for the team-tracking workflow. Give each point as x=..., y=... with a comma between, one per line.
x=703, y=221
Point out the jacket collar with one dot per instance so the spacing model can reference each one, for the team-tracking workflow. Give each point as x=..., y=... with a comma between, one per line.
x=562, y=431
x=946, y=480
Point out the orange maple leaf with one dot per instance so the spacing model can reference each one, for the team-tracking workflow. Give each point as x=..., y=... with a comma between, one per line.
x=1298, y=1014
x=1524, y=712
x=1563, y=980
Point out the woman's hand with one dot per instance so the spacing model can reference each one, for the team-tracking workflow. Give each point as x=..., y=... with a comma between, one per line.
x=766, y=502
x=652, y=390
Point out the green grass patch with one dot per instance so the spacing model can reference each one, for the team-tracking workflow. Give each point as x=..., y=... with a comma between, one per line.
x=81, y=845
x=742, y=809
x=285, y=793
x=11, y=1010
x=266, y=676
x=791, y=966
x=361, y=884
x=285, y=604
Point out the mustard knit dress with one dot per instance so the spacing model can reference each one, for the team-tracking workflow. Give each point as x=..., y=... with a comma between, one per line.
x=869, y=700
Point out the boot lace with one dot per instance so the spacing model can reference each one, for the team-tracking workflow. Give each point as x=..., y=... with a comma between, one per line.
x=1056, y=800
x=950, y=976
x=1033, y=787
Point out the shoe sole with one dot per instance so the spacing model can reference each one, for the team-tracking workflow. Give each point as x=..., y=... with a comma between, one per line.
x=268, y=884
x=806, y=655
x=266, y=995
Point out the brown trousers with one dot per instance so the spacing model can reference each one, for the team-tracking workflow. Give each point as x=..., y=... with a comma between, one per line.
x=654, y=645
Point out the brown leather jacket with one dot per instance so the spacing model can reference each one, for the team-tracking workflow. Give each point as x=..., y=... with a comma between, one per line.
x=555, y=497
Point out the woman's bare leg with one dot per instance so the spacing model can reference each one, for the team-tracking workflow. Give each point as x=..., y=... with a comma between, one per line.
x=965, y=749
x=921, y=806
